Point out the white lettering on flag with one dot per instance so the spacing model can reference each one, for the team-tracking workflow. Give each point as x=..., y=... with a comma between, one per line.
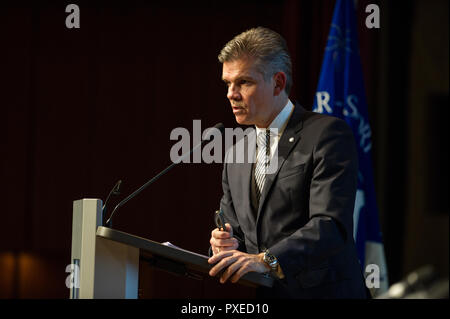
x=322, y=102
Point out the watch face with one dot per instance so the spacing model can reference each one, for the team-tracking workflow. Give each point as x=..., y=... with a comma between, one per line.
x=270, y=259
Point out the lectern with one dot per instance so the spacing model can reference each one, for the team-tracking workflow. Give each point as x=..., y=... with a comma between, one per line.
x=106, y=261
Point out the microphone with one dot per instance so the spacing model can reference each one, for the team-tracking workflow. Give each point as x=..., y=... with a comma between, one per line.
x=218, y=126
x=114, y=191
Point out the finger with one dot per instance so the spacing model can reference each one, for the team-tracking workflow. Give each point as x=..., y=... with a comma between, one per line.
x=225, y=262
x=240, y=272
x=229, y=229
x=217, y=233
x=214, y=249
x=220, y=234
x=225, y=242
x=218, y=259
x=231, y=269
x=214, y=259
x=218, y=249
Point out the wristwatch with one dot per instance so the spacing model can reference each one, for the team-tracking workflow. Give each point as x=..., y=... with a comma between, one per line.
x=271, y=260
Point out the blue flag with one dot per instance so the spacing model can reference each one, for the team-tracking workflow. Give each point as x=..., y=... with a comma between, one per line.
x=341, y=93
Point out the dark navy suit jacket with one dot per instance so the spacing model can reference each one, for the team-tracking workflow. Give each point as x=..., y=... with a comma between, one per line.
x=305, y=214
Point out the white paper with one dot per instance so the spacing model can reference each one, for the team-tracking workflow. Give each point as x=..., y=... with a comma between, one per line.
x=169, y=244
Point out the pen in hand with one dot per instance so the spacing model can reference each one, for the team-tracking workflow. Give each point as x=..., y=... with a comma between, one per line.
x=219, y=220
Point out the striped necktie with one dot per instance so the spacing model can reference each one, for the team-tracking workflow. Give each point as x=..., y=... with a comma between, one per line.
x=262, y=161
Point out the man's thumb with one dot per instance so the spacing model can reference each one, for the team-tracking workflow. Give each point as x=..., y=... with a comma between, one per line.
x=229, y=229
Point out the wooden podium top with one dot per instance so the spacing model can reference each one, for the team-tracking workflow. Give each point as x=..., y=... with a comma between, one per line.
x=176, y=260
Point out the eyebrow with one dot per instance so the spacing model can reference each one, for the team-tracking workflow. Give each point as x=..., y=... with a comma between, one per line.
x=242, y=77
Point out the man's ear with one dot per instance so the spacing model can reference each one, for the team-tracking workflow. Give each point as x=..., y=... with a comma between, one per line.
x=280, y=82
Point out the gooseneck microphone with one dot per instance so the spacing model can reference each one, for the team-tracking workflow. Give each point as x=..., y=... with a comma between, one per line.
x=218, y=126
x=114, y=191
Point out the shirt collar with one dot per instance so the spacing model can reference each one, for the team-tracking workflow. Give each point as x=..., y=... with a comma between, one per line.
x=280, y=122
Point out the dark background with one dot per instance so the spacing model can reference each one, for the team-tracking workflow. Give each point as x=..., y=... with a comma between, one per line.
x=83, y=108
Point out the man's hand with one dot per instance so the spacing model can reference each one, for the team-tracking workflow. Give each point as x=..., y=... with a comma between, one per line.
x=236, y=264
x=223, y=240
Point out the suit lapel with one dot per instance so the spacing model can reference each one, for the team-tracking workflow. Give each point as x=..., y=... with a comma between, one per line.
x=246, y=173
x=289, y=139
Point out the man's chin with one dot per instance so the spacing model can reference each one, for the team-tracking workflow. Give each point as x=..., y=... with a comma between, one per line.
x=242, y=120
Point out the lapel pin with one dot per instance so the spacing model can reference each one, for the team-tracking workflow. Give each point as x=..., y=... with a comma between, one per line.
x=291, y=139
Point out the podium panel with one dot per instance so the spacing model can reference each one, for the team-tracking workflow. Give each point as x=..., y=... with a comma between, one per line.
x=116, y=270
x=106, y=269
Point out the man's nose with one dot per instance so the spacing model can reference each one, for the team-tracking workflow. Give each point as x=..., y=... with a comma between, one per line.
x=233, y=93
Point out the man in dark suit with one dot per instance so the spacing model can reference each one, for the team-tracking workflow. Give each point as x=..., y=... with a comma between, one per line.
x=290, y=211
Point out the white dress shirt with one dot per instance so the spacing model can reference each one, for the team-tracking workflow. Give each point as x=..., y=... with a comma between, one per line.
x=278, y=125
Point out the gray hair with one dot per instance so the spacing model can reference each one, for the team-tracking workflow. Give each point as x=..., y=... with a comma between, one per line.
x=267, y=47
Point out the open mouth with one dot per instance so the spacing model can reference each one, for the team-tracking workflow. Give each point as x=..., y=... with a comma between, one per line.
x=237, y=108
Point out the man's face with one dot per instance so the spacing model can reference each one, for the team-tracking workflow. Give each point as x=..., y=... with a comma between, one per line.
x=251, y=97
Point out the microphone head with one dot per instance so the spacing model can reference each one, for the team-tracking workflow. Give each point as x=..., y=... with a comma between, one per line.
x=116, y=190
x=208, y=135
x=220, y=127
